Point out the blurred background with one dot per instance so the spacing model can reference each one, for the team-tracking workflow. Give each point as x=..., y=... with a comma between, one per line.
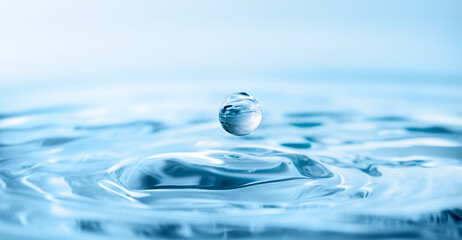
x=73, y=41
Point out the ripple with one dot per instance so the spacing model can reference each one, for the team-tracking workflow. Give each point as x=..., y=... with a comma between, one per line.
x=306, y=124
x=154, y=125
x=432, y=129
x=316, y=174
x=219, y=170
x=296, y=145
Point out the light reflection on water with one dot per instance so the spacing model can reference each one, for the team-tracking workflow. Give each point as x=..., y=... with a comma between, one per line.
x=329, y=160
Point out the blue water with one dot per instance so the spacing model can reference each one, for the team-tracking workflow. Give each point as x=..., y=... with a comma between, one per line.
x=332, y=158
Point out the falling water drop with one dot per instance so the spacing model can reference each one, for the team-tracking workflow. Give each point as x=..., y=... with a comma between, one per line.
x=240, y=114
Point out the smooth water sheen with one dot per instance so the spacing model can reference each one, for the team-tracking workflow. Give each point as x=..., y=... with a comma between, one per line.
x=357, y=161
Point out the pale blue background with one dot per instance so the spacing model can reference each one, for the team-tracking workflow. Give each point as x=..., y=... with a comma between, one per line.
x=72, y=41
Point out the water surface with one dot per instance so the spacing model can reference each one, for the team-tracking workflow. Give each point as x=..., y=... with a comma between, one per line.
x=331, y=159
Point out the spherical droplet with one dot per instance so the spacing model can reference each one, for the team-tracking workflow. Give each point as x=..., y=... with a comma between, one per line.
x=240, y=114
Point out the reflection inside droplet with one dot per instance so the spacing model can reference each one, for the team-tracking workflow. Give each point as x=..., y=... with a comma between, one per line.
x=240, y=114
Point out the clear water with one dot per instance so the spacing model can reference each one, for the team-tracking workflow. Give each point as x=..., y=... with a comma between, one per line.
x=240, y=114
x=331, y=159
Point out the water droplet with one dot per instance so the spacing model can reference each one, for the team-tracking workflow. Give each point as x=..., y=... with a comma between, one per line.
x=240, y=114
